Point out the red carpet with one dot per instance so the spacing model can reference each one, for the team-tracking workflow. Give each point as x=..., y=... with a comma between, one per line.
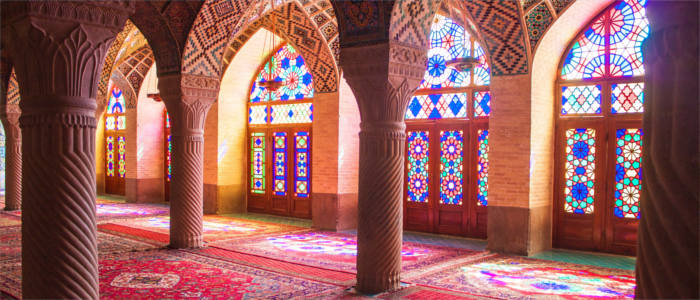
x=9, y=220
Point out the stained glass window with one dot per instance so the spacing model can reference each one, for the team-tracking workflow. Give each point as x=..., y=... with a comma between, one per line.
x=628, y=172
x=482, y=104
x=288, y=104
x=580, y=170
x=110, y=155
x=288, y=67
x=121, y=150
x=580, y=99
x=451, y=157
x=450, y=106
x=628, y=98
x=291, y=113
x=437, y=106
x=482, y=167
x=624, y=27
x=115, y=142
x=418, y=164
x=2, y=158
x=168, y=150
x=301, y=164
x=257, y=165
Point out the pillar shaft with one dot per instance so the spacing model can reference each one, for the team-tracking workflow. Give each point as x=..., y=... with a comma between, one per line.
x=13, y=161
x=57, y=50
x=667, y=260
x=187, y=99
x=383, y=78
x=380, y=214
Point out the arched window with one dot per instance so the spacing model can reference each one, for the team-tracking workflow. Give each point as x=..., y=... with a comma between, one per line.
x=599, y=132
x=167, y=153
x=115, y=143
x=447, y=138
x=279, y=127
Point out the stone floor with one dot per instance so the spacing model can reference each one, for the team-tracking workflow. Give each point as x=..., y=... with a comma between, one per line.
x=289, y=259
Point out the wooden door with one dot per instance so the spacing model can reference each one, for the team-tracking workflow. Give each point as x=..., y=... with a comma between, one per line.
x=604, y=223
x=115, y=163
x=280, y=171
x=441, y=178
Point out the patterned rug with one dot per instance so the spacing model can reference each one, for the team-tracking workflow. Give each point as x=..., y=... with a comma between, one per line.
x=7, y=219
x=510, y=277
x=335, y=251
x=215, y=228
x=11, y=244
x=116, y=211
x=173, y=274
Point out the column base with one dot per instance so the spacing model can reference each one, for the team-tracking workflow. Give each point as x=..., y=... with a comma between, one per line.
x=378, y=283
x=186, y=242
x=519, y=230
x=334, y=211
x=7, y=208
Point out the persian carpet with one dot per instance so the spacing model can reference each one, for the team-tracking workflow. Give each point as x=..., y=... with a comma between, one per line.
x=283, y=267
x=503, y=276
x=177, y=274
x=115, y=211
x=11, y=244
x=7, y=219
x=215, y=228
x=335, y=251
x=174, y=274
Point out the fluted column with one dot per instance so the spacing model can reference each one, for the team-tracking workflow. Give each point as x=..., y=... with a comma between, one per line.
x=58, y=49
x=9, y=116
x=13, y=157
x=187, y=98
x=667, y=257
x=383, y=78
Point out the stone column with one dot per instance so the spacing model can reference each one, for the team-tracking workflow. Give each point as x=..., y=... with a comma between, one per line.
x=58, y=49
x=13, y=156
x=9, y=116
x=187, y=98
x=383, y=78
x=667, y=257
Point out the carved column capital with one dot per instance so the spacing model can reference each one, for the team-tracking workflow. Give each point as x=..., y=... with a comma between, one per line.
x=382, y=77
x=187, y=99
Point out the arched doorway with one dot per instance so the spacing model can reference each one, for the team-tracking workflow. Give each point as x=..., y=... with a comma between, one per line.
x=279, y=131
x=115, y=143
x=447, y=138
x=598, y=148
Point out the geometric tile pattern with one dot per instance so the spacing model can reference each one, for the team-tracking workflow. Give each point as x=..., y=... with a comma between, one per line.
x=363, y=22
x=538, y=16
x=411, y=21
x=537, y=21
x=166, y=25
x=134, y=68
x=13, y=90
x=111, y=58
x=211, y=30
x=502, y=33
x=294, y=26
x=560, y=5
x=307, y=24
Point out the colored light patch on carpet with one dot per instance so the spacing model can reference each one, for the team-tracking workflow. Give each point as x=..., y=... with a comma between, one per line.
x=512, y=277
x=334, y=251
x=215, y=227
x=11, y=244
x=120, y=210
